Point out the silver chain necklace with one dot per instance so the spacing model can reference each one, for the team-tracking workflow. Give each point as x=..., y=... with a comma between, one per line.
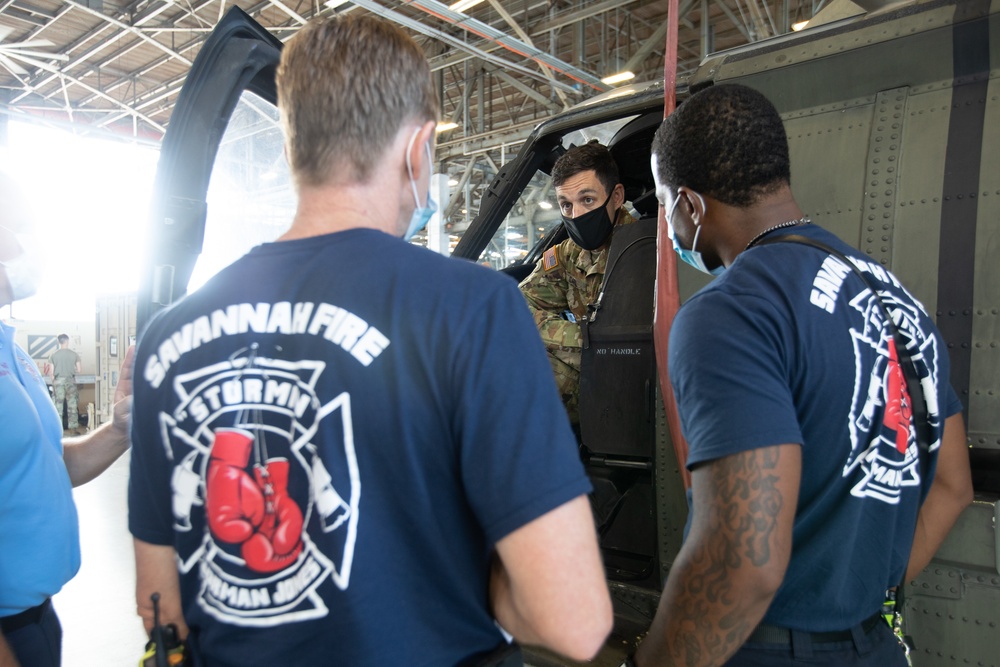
x=788, y=223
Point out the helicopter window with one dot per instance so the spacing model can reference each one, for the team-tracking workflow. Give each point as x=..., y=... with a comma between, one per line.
x=603, y=132
x=250, y=196
x=533, y=215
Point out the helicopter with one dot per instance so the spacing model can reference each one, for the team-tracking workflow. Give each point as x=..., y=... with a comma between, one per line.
x=890, y=111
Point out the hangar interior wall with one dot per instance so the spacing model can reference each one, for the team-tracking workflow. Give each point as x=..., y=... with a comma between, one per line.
x=115, y=331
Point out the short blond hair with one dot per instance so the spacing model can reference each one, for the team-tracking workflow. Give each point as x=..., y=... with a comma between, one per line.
x=346, y=84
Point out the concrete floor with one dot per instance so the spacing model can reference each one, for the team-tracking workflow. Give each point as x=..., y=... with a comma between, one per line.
x=97, y=608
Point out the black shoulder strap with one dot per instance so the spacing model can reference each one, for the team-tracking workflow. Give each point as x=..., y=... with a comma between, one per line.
x=631, y=235
x=914, y=387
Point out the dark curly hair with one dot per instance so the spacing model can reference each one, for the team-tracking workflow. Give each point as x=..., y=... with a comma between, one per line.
x=726, y=141
x=591, y=155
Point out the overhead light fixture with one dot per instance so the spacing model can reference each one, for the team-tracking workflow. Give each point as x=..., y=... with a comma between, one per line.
x=452, y=182
x=799, y=25
x=333, y=4
x=544, y=204
x=444, y=126
x=618, y=78
x=462, y=5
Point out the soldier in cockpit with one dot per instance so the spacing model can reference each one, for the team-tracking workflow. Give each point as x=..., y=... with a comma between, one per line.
x=569, y=275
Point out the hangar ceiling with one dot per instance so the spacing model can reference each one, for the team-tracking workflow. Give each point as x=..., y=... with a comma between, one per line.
x=104, y=66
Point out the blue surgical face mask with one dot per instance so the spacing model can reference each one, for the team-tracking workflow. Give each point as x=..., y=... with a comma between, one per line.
x=421, y=214
x=24, y=272
x=692, y=256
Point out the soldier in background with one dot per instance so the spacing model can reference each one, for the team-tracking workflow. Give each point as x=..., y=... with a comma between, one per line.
x=65, y=365
x=569, y=275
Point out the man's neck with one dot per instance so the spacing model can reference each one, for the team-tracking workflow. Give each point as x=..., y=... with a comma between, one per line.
x=334, y=208
x=742, y=225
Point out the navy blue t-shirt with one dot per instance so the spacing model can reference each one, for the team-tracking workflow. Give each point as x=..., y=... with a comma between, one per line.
x=333, y=434
x=788, y=346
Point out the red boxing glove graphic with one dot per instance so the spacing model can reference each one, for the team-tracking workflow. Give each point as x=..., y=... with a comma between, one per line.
x=278, y=540
x=234, y=502
x=897, y=403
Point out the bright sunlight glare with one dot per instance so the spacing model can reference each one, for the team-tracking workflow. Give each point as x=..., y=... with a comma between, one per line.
x=90, y=201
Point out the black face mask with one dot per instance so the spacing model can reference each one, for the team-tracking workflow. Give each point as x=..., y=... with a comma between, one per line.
x=592, y=229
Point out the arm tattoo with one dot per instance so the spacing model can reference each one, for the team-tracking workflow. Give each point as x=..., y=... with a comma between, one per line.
x=743, y=503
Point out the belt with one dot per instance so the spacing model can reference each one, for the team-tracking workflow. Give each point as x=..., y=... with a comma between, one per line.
x=27, y=617
x=772, y=634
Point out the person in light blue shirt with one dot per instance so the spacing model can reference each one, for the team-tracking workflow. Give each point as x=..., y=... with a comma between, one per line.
x=39, y=532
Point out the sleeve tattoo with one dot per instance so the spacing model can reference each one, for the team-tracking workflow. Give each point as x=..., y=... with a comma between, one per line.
x=715, y=602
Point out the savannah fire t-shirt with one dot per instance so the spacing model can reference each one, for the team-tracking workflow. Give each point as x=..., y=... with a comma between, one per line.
x=332, y=434
x=788, y=346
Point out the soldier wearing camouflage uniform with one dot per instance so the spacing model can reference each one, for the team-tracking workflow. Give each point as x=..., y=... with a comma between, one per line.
x=65, y=365
x=568, y=277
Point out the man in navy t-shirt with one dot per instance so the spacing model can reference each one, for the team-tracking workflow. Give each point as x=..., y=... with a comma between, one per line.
x=812, y=493
x=347, y=449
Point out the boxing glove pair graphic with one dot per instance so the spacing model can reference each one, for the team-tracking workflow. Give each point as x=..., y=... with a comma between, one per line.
x=253, y=511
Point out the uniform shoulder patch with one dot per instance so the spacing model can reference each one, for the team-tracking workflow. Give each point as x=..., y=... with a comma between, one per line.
x=550, y=259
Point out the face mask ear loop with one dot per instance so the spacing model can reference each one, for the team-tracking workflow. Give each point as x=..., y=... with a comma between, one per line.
x=430, y=157
x=409, y=168
x=694, y=242
x=670, y=216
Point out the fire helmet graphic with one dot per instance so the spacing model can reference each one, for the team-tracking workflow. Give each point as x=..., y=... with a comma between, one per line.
x=884, y=454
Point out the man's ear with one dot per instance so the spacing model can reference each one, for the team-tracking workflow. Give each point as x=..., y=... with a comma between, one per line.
x=693, y=203
x=418, y=149
x=618, y=196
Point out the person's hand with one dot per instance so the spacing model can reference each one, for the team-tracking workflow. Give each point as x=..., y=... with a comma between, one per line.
x=123, y=393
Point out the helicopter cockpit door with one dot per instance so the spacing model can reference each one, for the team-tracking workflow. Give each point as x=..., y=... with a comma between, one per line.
x=221, y=183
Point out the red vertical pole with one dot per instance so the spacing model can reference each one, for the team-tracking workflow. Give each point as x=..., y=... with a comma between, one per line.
x=667, y=289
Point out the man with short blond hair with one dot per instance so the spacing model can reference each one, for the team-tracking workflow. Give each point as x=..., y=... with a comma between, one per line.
x=317, y=93
x=364, y=469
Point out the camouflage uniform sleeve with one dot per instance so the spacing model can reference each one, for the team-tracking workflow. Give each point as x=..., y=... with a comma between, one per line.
x=547, y=295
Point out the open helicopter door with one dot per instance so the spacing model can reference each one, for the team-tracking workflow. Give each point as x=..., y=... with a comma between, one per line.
x=222, y=185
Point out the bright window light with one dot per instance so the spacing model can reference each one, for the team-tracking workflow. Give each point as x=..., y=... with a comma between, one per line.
x=462, y=5
x=618, y=78
x=444, y=126
x=94, y=228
